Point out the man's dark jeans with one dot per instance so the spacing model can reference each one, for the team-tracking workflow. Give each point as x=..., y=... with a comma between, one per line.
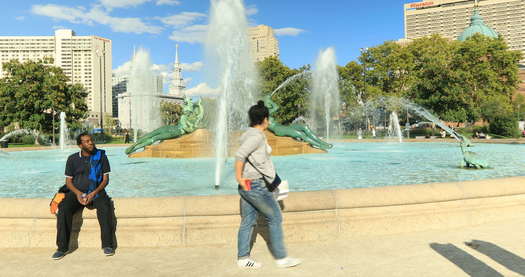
x=70, y=205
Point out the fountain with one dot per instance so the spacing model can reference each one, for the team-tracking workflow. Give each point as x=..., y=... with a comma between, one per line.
x=394, y=130
x=228, y=54
x=324, y=99
x=18, y=132
x=63, y=131
x=145, y=104
x=470, y=159
x=290, y=79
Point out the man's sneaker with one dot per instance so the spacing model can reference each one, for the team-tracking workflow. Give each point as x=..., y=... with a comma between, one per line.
x=108, y=251
x=58, y=255
x=288, y=262
x=248, y=263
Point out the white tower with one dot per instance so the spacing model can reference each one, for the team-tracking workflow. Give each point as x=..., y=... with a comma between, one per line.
x=177, y=83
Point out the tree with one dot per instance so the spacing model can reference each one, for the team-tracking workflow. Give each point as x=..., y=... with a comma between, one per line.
x=488, y=71
x=293, y=98
x=34, y=92
x=170, y=112
x=437, y=86
x=389, y=68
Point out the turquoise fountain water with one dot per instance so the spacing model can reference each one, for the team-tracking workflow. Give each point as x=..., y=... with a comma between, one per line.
x=348, y=165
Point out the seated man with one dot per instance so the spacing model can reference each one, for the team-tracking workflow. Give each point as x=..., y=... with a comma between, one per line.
x=87, y=174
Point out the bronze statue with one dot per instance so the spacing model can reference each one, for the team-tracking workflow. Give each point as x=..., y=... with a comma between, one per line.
x=296, y=131
x=190, y=120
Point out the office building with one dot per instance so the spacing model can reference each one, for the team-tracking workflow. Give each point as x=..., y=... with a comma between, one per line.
x=263, y=43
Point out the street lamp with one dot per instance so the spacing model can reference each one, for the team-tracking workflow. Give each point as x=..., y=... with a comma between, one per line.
x=101, y=57
x=363, y=51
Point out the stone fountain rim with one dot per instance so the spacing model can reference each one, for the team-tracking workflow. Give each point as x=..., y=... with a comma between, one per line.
x=221, y=205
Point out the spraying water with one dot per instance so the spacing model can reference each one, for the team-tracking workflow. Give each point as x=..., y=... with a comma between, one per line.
x=228, y=54
x=142, y=90
x=63, y=130
x=325, y=102
x=394, y=130
x=18, y=132
x=290, y=79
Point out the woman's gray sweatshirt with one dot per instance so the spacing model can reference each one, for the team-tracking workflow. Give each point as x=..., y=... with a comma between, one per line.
x=254, y=147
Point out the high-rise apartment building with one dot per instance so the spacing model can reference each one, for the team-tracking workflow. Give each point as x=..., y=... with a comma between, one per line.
x=84, y=59
x=263, y=43
x=450, y=18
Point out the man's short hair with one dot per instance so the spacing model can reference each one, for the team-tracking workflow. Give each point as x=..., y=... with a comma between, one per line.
x=79, y=137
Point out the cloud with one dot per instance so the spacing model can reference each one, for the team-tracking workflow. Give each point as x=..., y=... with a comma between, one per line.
x=110, y=4
x=187, y=81
x=202, y=89
x=288, y=31
x=190, y=34
x=123, y=69
x=73, y=15
x=20, y=18
x=96, y=15
x=196, y=66
x=251, y=10
x=181, y=19
x=168, y=2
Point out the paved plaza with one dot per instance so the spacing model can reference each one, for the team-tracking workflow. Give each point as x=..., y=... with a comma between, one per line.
x=437, y=253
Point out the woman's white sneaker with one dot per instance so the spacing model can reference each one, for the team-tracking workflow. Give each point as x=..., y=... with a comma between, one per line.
x=288, y=262
x=248, y=263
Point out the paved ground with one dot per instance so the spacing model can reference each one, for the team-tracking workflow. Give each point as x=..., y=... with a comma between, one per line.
x=499, y=252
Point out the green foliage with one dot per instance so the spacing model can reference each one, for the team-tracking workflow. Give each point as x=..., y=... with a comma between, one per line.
x=34, y=91
x=292, y=99
x=518, y=106
x=505, y=124
x=457, y=80
x=170, y=112
x=101, y=138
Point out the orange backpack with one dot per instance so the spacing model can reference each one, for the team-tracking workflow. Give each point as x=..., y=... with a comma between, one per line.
x=53, y=206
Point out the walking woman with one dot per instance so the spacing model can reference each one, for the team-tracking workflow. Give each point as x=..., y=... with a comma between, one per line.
x=253, y=169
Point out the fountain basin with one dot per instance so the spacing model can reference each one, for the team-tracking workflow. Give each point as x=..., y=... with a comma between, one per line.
x=34, y=174
x=319, y=215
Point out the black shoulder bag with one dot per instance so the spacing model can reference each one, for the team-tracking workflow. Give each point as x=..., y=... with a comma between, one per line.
x=271, y=186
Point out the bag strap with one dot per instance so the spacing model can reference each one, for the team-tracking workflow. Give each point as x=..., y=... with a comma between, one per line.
x=263, y=175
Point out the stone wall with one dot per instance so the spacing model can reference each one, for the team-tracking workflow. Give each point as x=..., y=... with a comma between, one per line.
x=308, y=216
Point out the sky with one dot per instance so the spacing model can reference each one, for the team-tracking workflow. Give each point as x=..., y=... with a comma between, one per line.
x=303, y=27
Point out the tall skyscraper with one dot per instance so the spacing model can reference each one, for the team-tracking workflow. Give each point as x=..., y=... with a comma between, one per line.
x=84, y=59
x=450, y=18
x=177, y=83
x=263, y=43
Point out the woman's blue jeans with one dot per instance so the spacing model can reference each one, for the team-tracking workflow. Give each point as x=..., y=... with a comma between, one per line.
x=256, y=201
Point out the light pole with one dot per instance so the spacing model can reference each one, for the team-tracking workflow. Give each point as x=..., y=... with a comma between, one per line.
x=363, y=91
x=363, y=51
x=102, y=81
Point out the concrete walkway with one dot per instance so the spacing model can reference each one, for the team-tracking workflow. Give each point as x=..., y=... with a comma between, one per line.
x=499, y=252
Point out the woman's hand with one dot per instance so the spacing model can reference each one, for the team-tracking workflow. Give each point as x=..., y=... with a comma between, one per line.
x=242, y=183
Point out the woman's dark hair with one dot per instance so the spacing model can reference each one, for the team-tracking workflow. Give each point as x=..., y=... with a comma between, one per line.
x=79, y=137
x=258, y=113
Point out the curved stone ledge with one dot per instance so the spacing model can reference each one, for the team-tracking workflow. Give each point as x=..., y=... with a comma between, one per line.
x=312, y=215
